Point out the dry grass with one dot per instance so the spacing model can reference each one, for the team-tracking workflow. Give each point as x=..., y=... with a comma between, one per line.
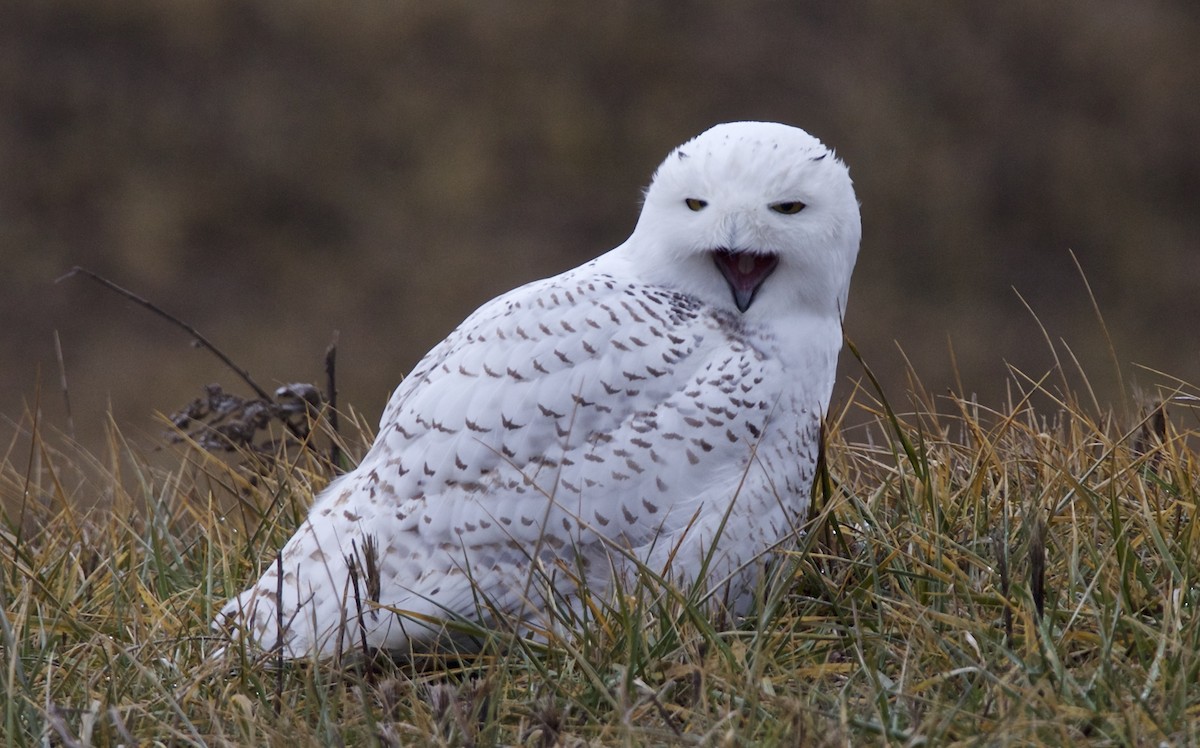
x=912, y=617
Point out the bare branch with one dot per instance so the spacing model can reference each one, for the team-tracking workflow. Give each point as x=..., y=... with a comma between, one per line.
x=200, y=339
x=335, y=451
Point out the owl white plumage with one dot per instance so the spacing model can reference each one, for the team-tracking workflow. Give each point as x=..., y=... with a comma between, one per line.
x=659, y=405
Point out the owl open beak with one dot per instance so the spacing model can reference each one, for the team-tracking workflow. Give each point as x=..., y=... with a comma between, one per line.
x=744, y=272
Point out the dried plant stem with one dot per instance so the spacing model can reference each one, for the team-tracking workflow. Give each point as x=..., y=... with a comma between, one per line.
x=335, y=450
x=200, y=339
x=62, y=380
x=279, y=629
x=352, y=563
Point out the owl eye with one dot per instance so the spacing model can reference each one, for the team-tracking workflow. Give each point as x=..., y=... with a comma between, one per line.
x=788, y=208
x=695, y=204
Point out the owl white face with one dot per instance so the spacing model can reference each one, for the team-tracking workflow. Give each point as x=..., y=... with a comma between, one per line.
x=759, y=218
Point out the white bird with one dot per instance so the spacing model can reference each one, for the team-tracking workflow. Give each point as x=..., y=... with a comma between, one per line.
x=658, y=405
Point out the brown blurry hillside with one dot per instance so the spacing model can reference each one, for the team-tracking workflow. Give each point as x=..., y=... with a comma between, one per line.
x=275, y=171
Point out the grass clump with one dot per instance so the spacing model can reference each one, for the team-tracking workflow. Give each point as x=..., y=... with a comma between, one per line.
x=1016, y=574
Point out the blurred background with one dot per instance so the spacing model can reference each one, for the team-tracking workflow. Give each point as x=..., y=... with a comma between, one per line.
x=276, y=171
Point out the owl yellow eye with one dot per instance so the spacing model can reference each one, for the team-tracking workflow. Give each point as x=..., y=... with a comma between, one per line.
x=695, y=204
x=788, y=208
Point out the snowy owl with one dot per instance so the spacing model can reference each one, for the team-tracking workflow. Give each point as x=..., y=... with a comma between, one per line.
x=657, y=408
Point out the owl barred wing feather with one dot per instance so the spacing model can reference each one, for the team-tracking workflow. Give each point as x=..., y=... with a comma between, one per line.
x=476, y=444
x=599, y=416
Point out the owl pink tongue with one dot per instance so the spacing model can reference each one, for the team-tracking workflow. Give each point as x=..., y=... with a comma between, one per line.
x=744, y=272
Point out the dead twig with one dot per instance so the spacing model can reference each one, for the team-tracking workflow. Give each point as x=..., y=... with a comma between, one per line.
x=223, y=421
x=331, y=414
x=200, y=339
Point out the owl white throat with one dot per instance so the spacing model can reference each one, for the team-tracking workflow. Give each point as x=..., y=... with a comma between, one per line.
x=655, y=409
